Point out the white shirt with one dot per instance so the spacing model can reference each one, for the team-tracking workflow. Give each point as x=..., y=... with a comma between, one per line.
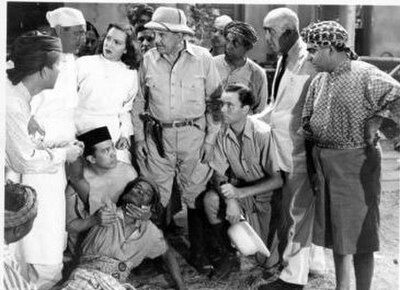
x=106, y=91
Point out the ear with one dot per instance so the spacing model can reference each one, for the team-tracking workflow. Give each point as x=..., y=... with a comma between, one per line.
x=246, y=109
x=91, y=159
x=58, y=30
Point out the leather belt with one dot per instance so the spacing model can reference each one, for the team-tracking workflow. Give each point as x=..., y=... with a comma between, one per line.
x=178, y=124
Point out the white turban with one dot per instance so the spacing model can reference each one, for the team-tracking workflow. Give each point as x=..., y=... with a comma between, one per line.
x=65, y=16
x=221, y=21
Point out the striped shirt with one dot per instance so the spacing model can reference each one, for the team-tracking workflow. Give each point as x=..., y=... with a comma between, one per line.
x=12, y=278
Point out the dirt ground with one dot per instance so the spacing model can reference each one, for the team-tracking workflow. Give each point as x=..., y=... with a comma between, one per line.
x=386, y=276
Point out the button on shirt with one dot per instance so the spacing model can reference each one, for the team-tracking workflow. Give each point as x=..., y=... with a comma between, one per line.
x=178, y=91
x=250, y=74
x=339, y=104
x=251, y=158
x=22, y=155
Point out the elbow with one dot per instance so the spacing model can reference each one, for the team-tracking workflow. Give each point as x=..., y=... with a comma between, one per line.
x=278, y=180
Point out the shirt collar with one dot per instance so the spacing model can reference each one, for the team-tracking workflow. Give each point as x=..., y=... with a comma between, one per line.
x=247, y=132
x=342, y=68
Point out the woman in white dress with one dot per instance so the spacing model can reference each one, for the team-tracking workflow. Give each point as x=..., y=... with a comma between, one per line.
x=107, y=85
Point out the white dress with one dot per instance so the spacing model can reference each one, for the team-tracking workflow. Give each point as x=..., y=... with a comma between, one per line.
x=54, y=111
x=106, y=91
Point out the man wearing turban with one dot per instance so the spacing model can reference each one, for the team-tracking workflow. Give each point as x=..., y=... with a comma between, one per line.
x=345, y=107
x=20, y=210
x=235, y=67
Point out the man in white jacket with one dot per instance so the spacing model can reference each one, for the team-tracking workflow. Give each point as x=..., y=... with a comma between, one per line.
x=41, y=251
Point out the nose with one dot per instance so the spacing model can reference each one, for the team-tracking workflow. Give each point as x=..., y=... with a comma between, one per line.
x=267, y=35
x=310, y=57
x=224, y=108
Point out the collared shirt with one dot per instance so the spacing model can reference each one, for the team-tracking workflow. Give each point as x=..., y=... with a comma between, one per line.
x=177, y=91
x=250, y=74
x=12, y=278
x=339, y=104
x=106, y=91
x=252, y=157
x=22, y=155
x=284, y=114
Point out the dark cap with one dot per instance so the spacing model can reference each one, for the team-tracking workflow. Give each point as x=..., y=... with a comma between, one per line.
x=94, y=137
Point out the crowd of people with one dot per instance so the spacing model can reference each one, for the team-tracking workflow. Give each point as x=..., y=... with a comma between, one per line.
x=106, y=137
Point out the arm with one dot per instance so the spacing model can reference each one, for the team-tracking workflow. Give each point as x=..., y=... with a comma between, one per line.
x=174, y=269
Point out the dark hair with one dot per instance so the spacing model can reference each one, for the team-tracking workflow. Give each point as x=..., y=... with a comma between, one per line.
x=91, y=27
x=142, y=28
x=30, y=53
x=246, y=96
x=138, y=10
x=132, y=56
x=152, y=200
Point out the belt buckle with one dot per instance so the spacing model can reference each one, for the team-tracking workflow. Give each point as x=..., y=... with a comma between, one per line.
x=176, y=124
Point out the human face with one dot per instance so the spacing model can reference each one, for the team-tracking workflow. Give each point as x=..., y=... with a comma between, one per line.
x=105, y=155
x=146, y=39
x=143, y=19
x=232, y=109
x=137, y=199
x=218, y=41
x=167, y=42
x=72, y=38
x=114, y=44
x=91, y=43
x=319, y=57
x=234, y=48
x=273, y=33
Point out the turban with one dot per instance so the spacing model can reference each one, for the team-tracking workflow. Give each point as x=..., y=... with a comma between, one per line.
x=26, y=196
x=94, y=137
x=327, y=33
x=221, y=21
x=65, y=16
x=243, y=30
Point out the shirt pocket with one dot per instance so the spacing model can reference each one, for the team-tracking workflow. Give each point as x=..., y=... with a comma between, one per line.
x=192, y=90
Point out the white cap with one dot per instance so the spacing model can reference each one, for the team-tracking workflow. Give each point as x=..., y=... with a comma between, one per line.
x=65, y=16
x=221, y=21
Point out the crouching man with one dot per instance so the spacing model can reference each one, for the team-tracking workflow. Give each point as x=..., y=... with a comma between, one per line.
x=246, y=173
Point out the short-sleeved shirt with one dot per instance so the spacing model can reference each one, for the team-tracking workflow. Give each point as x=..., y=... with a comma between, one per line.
x=339, y=103
x=251, y=158
x=250, y=74
x=177, y=91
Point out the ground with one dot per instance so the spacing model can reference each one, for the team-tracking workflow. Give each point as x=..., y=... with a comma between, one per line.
x=386, y=276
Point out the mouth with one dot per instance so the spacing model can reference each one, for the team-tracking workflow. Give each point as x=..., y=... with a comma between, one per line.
x=107, y=51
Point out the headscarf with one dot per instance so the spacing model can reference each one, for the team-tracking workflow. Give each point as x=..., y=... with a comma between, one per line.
x=242, y=30
x=26, y=196
x=328, y=33
x=30, y=53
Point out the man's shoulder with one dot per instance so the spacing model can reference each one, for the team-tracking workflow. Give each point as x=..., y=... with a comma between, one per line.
x=199, y=51
x=259, y=127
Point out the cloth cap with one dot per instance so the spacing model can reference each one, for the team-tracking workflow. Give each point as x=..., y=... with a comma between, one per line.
x=221, y=21
x=94, y=137
x=27, y=212
x=242, y=30
x=169, y=19
x=326, y=33
x=65, y=16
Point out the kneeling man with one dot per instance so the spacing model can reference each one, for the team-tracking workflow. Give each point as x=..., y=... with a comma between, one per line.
x=245, y=161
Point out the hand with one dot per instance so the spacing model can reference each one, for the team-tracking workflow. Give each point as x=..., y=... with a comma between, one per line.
x=229, y=191
x=74, y=150
x=34, y=127
x=122, y=143
x=206, y=153
x=105, y=216
x=141, y=149
x=138, y=213
x=233, y=211
x=370, y=130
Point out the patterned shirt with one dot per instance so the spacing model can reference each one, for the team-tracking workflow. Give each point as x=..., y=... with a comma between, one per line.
x=22, y=155
x=250, y=74
x=251, y=158
x=338, y=104
x=12, y=278
x=177, y=91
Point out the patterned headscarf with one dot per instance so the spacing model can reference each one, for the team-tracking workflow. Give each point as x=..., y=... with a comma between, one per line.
x=242, y=30
x=328, y=33
x=24, y=195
